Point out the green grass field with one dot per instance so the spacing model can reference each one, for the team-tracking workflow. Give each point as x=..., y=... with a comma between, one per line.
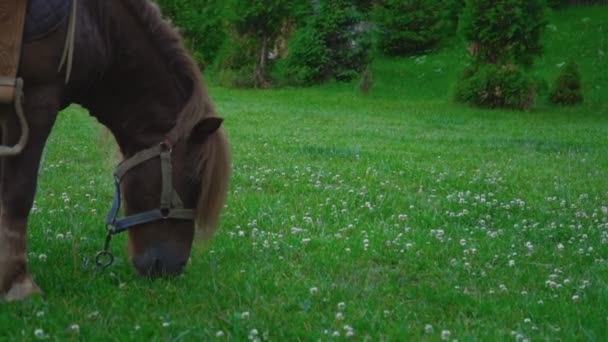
x=393, y=216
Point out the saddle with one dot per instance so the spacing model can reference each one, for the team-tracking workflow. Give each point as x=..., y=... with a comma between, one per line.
x=42, y=15
x=12, y=20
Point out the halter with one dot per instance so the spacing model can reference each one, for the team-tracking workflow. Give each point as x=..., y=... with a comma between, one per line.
x=171, y=205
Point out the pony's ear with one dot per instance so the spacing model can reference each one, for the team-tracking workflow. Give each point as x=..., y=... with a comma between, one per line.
x=204, y=128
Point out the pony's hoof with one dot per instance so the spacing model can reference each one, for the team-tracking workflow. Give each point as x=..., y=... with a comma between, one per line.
x=22, y=290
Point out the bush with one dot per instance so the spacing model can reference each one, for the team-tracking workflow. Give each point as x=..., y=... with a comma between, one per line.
x=452, y=13
x=503, y=36
x=200, y=23
x=334, y=44
x=235, y=63
x=493, y=86
x=254, y=27
x=408, y=27
x=503, y=31
x=556, y=3
x=567, y=89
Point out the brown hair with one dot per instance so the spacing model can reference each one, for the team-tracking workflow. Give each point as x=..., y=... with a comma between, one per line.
x=213, y=160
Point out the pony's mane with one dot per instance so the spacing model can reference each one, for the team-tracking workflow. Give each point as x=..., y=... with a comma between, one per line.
x=213, y=162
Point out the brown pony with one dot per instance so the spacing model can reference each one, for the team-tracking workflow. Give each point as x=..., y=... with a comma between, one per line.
x=131, y=72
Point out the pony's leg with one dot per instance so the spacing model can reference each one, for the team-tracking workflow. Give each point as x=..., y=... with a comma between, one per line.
x=18, y=178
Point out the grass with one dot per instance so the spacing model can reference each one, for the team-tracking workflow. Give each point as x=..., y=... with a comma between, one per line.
x=398, y=215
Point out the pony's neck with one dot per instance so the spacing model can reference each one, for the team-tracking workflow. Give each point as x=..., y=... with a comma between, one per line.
x=139, y=96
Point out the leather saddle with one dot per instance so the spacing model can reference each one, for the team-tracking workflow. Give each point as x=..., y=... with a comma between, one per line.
x=44, y=16
x=36, y=18
x=12, y=20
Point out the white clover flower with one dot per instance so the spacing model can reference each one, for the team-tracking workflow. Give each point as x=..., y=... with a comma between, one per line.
x=245, y=315
x=39, y=333
x=350, y=332
x=339, y=316
x=575, y=298
x=313, y=290
x=296, y=230
x=219, y=333
x=74, y=328
x=445, y=335
x=341, y=306
x=166, y=324
x=428, y=329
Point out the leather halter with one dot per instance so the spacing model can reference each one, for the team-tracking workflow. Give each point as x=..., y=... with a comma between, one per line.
x=171, y=205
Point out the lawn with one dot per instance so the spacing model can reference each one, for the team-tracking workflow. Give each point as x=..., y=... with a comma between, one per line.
x=398, y=215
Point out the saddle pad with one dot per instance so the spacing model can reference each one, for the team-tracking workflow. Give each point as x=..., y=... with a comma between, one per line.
x=43, y=16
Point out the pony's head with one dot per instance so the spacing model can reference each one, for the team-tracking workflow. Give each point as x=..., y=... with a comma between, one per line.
x=200, y=168
x=176, y=178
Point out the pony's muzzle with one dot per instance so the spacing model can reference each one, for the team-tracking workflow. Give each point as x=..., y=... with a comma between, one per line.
x=158, y=262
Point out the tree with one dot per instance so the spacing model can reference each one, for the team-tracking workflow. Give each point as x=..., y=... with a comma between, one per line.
x=334, y=44
x=504, y=31
x=567, y=89
x=503, y=37
x=255, y=25
x=408, y=27
x=200, y=22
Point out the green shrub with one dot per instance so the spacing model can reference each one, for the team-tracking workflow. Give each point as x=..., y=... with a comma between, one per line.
x=503, y=31
x=254, y=26
x=493, y=86
x=567, y=89
x=556, y=3
x=503, y=36
x=332, y=45
x=235, y=63
x=452, y=13
x=200, y=23
x=407, y=27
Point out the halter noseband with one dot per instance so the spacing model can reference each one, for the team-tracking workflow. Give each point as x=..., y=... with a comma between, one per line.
x=171, y=205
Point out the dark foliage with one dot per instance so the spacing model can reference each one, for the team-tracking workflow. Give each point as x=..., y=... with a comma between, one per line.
x=504, y=31
x=254, y=26
x=452, y=13
x=502, y=37
x=408, y=27
x=494, y=86
x=567, y=89
x=334, y=44
x=201, y=24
